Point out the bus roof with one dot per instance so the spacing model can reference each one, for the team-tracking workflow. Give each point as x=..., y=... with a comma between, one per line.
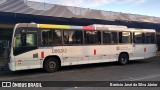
x=91, y=27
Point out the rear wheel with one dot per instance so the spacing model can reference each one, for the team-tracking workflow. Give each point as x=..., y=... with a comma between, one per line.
x=51, y=65
x=123, y=59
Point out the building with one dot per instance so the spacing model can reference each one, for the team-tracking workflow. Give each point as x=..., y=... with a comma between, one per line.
x=23, y=11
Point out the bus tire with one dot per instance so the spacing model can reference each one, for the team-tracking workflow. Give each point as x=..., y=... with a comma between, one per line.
x=123, y=59
x=51, y=65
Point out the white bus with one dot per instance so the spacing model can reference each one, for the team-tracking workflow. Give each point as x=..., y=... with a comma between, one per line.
x=51, y=46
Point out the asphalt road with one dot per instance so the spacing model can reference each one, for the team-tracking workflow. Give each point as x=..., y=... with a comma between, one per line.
x=141, y=70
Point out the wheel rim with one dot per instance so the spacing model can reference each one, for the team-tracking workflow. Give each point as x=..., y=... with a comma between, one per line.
x=123, y=60
x=52, y=65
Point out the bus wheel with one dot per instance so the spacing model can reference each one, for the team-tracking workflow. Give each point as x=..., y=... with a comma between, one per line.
x=51, y=65
x=123, y=59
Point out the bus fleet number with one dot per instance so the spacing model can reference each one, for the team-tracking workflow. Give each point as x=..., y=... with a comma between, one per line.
x=59, y=50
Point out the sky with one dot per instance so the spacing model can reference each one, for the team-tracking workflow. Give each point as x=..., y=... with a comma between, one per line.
x=142, y=7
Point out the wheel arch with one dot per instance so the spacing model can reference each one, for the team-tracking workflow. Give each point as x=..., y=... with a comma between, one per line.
x=124, y=53
x=52, y=56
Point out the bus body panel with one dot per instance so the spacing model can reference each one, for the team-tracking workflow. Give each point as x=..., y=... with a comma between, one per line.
x=80, y=55
x=150, y=50
x=143, y=51
x=28, y=60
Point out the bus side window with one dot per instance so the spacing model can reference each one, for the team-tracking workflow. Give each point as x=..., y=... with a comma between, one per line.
x=143, y=38
x=51, y=37
x=92, y=37
x=106, y=37
x=114, y=37
x=77, y=37
x=124, y=37
x=120, y=37
x=44, y=38
x=137, y=37
x=72, y=37
x=57, y=37
x=153, y=38
x=67, y=37
x=148, y=37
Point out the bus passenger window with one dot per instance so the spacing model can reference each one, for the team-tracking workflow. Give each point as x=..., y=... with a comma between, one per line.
x=72, y=37
x=137, y=37
x=57, y=37
x=77, y=37
x=106, y=37
x=143, y=38
x=153, y=38
x=124, y=37
x=46, y=37
x=67, y=37
x=92, y=37
x=51, y=37
x=114, y=37
x=148, y=37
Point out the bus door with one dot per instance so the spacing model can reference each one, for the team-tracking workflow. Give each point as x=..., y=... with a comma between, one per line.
x=138, y=46
x=26, y=50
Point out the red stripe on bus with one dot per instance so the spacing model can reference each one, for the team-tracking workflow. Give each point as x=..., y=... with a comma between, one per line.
x=42, y=54
x=145, y=50
x=88, y=28
x=95, y=52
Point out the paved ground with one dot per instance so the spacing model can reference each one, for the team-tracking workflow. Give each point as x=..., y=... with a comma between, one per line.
x=143, y=70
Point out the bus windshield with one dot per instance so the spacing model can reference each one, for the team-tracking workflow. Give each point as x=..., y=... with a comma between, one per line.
x=24, y=40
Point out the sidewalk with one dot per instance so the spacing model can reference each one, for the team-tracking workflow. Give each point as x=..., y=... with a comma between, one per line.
x=3, y=63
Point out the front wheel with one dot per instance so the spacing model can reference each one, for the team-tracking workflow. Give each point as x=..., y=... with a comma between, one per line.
x=51, y=65
x=123, y=59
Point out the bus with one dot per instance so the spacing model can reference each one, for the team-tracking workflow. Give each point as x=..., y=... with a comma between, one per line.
x=51, y=46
